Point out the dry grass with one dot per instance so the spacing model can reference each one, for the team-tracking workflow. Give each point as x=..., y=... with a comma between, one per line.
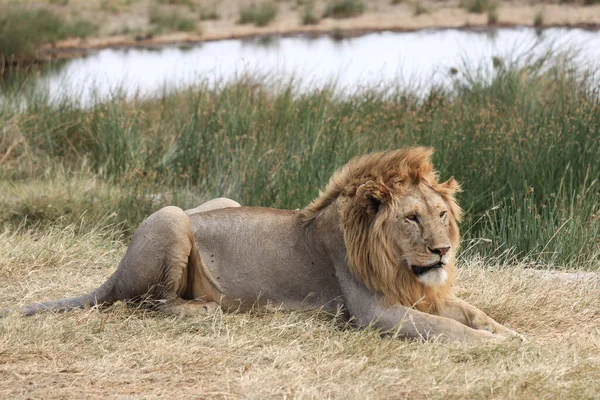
x=124, y=352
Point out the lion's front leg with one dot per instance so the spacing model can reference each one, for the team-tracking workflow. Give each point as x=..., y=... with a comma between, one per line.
x=190, y=308
x=365, y=307
x=473, y=317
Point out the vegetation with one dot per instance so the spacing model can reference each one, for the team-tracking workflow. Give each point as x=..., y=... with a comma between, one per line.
x=259, y=14
x=209, y=13
x=344, y=8
x=308, y=15
x=492, y=16
x=523, y=144
x=171, y=20
x=479, y=6
x=419, y=9
x=538, y=19
x=23, y=31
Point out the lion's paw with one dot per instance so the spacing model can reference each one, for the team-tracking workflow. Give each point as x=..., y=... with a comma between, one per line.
x=210, y=307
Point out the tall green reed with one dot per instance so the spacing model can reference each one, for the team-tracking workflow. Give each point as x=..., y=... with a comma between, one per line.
x=524, y=144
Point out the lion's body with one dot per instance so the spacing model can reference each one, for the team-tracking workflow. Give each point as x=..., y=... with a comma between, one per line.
x=271, y=248
x=378, y=243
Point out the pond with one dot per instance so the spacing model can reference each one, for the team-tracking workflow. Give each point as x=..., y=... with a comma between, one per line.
x=415, y=59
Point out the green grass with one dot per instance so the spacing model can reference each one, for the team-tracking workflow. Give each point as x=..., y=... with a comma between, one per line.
x=259, y=14
x=419, y=9
x=24, y=31
x=209, y=13
x=82, y=28
x=308, y=16
x=344, y=8
x=524, y=145
x=479, y=6
x=171, y=20
x=538, y=19
x=492, y=16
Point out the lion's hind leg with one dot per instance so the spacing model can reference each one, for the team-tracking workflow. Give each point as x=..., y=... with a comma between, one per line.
x=162, y=264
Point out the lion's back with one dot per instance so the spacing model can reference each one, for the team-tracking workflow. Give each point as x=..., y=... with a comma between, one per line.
x=256, y=252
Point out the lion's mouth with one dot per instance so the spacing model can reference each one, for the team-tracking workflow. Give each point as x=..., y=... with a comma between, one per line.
x=423, y=270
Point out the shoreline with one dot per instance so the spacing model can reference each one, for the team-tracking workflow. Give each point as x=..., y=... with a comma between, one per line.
x=74, y=48
x=137, y=24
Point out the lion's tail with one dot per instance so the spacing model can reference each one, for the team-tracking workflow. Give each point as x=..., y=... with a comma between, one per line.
x=102, y=296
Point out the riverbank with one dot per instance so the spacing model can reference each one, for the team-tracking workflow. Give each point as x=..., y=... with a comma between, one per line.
x=150, y=23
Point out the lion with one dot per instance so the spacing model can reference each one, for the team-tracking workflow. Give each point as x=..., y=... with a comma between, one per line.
x=378, y=243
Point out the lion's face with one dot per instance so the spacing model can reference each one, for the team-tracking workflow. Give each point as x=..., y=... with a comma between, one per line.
x=422, y=233
x=399, y=225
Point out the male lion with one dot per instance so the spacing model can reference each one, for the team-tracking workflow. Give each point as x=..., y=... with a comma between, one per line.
x=380, y=242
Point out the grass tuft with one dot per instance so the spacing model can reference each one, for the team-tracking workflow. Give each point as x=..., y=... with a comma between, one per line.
x=344, y=8
x=538, y=19
x=259, y=14
x=492, y=16
x=419, y=9
x=209, y=13
x=479, y=6
x=24, y=31
x=171, y=20
x=308, y=16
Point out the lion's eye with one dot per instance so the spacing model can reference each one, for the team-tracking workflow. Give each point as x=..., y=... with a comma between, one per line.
x=413, y=218
x=442, y=214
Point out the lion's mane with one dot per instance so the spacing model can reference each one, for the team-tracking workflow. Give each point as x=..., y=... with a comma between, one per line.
x=368, y=190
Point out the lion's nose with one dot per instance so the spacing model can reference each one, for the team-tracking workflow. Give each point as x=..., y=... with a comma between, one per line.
x=440, y=250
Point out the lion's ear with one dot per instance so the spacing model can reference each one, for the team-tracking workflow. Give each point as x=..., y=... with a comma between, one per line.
x=451, y=186
x=371, y=195
x=447, y=190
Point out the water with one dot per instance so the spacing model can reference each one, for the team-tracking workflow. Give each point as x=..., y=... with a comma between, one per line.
x=406, y=59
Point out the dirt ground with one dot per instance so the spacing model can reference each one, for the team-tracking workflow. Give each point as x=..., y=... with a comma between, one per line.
x=126, y=22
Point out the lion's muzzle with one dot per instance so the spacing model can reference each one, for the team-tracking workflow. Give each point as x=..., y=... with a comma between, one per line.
x=423, y=270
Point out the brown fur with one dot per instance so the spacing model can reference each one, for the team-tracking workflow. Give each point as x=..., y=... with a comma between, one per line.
x=368, y=189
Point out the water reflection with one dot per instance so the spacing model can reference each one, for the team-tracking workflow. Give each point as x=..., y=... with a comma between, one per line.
x=407, y=59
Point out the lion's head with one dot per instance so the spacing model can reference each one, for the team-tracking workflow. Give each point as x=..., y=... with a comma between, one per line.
x=399, y=225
